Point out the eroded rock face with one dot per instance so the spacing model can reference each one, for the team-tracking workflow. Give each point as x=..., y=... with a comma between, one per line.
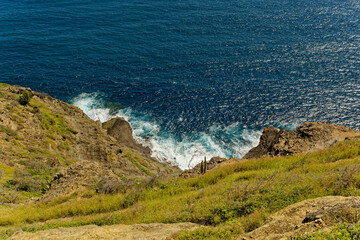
x=121, y=130
x=310, y=136
x=82, y=176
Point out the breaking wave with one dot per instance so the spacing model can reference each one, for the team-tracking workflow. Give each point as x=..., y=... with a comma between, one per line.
x=185, y=149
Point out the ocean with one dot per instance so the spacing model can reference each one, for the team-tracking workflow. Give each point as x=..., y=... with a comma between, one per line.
x=194, y=78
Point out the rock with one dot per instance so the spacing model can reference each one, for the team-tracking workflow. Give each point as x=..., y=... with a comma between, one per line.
x=312, y=216
x=319, y=223
x=308, y=137
x=121, y=130
x=268, y=139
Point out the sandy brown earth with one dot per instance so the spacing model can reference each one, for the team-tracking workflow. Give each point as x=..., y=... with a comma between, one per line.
x=154, y=231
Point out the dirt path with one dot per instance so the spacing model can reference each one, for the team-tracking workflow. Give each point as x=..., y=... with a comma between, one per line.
x=154, y=231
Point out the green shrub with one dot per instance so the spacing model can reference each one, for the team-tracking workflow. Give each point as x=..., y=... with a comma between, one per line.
x=24, y=186
x=211, y=233
x=24, y=98
x=10, y=183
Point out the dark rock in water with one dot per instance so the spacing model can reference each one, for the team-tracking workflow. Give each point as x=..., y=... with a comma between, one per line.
x=121, y=130
x=308, y=137
x=268, y=139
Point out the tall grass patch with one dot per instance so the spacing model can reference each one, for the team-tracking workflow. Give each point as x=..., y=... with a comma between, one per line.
x=228, y=200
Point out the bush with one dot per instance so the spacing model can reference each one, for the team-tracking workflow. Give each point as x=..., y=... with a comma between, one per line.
x=24, y=98
x=10, y=183
x=24, y=186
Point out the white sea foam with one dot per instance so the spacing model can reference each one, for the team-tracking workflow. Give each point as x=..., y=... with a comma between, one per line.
x=188, y=151
x=93, y=106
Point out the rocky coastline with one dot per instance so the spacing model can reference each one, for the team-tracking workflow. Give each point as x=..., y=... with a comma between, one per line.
x=52, y=153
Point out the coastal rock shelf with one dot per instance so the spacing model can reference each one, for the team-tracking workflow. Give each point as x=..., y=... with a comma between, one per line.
x=310, y=136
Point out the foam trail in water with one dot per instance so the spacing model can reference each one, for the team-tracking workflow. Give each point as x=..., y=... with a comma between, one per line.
x=224, y=141
x=93, y=105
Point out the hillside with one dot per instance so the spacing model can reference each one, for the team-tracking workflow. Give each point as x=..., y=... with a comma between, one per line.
x=60, y=170
x=229, y=201
x=48, y=139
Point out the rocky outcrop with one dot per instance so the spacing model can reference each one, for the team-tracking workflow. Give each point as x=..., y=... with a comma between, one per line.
x=306, y=217
x=310, y=136
x=121, y=130
x=154, y=231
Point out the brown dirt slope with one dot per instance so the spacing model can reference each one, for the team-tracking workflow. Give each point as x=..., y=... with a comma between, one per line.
x=46, y=136
x=310, y=136
x=154, y=231
x=306, y=217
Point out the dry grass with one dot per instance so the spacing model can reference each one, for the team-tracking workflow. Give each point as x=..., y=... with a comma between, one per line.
x=242, y=194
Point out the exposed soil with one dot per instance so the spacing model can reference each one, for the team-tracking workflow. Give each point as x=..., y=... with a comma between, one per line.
x=154, y=231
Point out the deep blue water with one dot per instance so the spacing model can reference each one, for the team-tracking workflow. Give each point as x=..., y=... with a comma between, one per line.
x=195, y=77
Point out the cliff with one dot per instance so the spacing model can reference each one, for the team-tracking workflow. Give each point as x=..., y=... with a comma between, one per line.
x=50, y=147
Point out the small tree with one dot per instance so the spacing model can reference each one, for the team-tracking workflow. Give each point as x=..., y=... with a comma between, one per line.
x=24, y=98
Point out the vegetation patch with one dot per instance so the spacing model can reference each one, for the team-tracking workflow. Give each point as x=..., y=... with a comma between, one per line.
x=134, y=159
x=343, y=231
x=8, y=131
x=6, y=173
x=24, y=98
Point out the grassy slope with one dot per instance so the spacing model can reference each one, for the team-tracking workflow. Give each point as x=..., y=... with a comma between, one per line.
x=34, y=171
x=46, y=135
x=340, y=232
x=230, y=200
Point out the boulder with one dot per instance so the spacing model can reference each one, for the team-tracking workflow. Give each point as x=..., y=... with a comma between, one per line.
x=121, y=130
